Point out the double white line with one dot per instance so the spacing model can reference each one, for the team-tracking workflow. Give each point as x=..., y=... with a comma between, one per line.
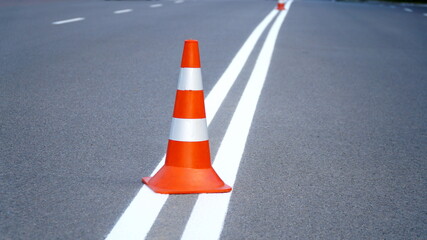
x=139, y=217
x=208, y=215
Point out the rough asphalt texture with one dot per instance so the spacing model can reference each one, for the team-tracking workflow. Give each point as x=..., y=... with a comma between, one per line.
x=337, y=148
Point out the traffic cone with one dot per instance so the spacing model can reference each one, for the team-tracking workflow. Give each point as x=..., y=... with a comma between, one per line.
x=188, y=167
x=281, y=5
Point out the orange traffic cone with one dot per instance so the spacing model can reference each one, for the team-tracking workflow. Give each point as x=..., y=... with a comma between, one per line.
x=188, y=167
x=281, y=5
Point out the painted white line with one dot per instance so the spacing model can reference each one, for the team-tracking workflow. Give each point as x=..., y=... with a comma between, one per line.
x=408, y=10
x=226, y=81
x=425, y=14
x=156, y=5
x=123, y=11
x=68, y=21
x=139, y=217
x=206, y=222
x=179, y=1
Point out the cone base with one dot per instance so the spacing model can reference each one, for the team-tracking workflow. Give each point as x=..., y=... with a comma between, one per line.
x=280, y=6
x=179, y=180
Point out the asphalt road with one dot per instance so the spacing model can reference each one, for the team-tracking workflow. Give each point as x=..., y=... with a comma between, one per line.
x=337, y=148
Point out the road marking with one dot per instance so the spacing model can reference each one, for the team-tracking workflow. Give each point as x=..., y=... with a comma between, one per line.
x=68, y=21
x=408, y=10
x=425, y=14
x=140, y=215
x=156, y=5
x=206, y=221
x=123, y=11
x=226, y=81
x=179, y=1
x=392, y=6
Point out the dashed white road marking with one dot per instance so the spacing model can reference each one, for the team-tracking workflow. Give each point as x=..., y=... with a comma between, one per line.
x=68, y=21
x=139, y=217
x=156, y=5
x=123, y=11
x=408, y=10
x=179, y=1
x=425, y=14
x=206, y=222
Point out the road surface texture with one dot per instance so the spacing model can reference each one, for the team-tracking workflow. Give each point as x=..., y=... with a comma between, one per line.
x=337, y=148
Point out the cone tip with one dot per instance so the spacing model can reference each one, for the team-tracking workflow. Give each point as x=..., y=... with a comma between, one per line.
x=190, y=55
x=191, y=41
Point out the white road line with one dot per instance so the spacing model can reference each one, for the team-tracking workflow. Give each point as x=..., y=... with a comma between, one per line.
x=156, y=5
x=226, y=81
x=68, y=21
x=208, y=215
x=179, y=1
x=139, y=217
x=123, y=11
x=425, y=14
x=408, y=10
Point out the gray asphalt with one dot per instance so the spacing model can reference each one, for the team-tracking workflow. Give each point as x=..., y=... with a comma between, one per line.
x=337, y=148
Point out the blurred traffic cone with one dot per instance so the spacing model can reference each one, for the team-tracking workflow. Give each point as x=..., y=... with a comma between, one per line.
x=281, y=5
x=188, y=167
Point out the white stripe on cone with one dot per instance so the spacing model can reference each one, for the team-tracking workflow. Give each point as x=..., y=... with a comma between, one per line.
x=190, y=79
x=189, y=130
